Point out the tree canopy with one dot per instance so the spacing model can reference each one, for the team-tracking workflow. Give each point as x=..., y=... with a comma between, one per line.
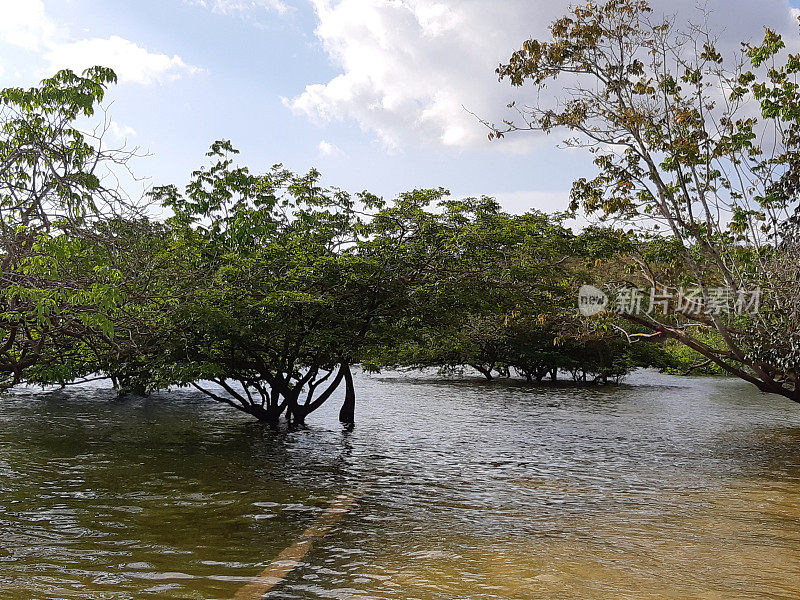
x=55, y=291
x=695, y=151
x=264, y=289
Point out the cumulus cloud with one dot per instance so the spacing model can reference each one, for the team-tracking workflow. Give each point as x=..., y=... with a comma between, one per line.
x=130, y=61
x=120, y=132
x=328, y=149
x=26, y=24
x=411, y=71
x=227, y=7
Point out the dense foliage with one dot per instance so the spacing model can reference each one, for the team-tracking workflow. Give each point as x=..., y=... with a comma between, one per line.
x=263, y=290
x=55, y=292
x=700, y=146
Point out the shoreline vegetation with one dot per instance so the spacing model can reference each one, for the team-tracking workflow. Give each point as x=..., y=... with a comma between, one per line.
x=273, y=287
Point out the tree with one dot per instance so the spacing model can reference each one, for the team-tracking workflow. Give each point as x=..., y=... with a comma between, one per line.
x=152, y=273
x=276, y=309
x=52, y=188
x=704, y=148
x=494, y=292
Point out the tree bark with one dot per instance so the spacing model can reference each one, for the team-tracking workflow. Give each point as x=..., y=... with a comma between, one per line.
x=347, y=414
x=297, y=413
x=485, y=372
x=269, y=416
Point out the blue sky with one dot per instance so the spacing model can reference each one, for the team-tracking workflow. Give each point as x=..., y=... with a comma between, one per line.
x=371, y=92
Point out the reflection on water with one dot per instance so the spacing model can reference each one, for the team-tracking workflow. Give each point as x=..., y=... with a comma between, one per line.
x=662, y=488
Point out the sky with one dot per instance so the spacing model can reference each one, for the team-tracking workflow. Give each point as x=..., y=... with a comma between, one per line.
x=379, y=95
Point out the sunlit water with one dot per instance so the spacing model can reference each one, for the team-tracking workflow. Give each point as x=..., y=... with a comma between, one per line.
x=660, y=488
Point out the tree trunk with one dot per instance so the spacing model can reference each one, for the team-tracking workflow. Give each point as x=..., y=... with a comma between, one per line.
x=485, y=372
x=540, y=374
x=126, y=386
x=347, y=414
x=296, y=413
x=269, y=416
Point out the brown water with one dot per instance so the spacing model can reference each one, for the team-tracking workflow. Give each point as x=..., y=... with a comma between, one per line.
x=661, y=488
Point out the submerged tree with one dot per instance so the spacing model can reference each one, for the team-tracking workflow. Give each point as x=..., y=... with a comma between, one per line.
x=703, y=147
x=266, y=316
x=263, y=290
x=495, y=292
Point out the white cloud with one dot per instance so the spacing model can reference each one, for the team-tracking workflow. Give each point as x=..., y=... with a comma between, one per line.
x=26, y=25
x=227, y=7
x=131, y=62
x=120, y=132
x=328, y=149
x=410, y=68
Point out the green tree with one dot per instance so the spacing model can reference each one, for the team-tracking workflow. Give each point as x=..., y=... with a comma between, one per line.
x=275, y=312
x=495, y=292
x=52, y=188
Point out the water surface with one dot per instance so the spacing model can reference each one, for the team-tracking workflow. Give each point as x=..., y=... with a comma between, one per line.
x=661, y=488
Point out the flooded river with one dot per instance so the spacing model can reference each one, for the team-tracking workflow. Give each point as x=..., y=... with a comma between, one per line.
x=661, y=488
